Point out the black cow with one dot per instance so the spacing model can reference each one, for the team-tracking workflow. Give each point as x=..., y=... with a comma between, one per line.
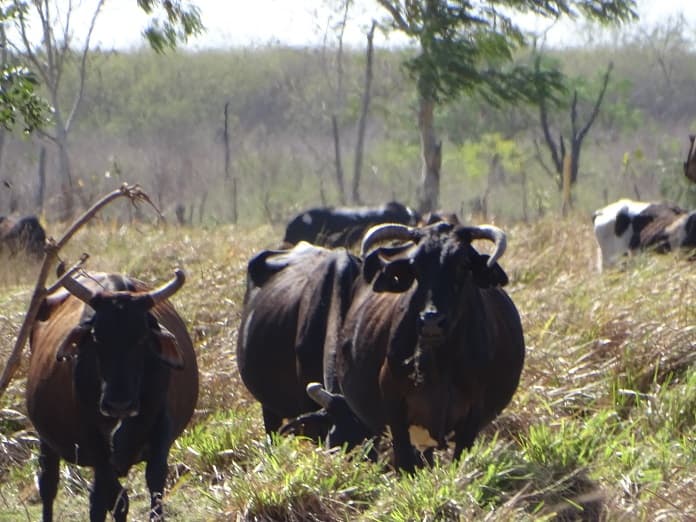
x=294, y=306
x=22, y=235
x=430, y=339
x=344, y=226
x=112, y=381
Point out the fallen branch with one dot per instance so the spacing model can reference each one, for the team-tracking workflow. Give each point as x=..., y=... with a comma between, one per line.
x=136, y=195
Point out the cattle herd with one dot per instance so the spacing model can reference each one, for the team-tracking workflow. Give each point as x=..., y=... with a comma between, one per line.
x=410, y=332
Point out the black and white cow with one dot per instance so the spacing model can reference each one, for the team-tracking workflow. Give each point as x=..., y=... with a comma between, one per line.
x=627, y=226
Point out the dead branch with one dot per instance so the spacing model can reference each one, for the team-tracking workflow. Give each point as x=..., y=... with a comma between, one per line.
x=136, y=195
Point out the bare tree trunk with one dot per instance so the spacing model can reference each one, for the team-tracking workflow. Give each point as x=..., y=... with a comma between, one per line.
x=337, y=160
x=66, y=183
x=567, y=184
x=525, y=204
x=338, y=104
x=362, y=123
x=431, y=156
x=4, y=56
x=201, y=207
x=41, y=190
x=228, y=177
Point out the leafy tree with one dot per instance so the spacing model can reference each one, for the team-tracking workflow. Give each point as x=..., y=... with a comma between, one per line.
x=468, y=47
x=19, y=102
x=171, y=22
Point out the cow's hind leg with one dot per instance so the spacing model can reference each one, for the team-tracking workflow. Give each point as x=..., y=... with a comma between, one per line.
x=107, y=495
x=465, y=433
x=48, y=479
x=271, y=420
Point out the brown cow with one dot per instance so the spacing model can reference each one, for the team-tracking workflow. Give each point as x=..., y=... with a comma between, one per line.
x=430, y=339
x=112, y=381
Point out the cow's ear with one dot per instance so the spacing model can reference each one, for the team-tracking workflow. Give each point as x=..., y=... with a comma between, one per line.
x=395, y=276
x=167, y=348
x=486, y=276
x=70, y=347
x=372, y=264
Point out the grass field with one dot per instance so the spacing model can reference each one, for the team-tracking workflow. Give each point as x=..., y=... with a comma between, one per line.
x=601, y=427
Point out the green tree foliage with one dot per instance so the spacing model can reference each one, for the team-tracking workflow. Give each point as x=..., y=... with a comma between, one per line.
x=467, y=47
x=19, y=102
x=172, y=22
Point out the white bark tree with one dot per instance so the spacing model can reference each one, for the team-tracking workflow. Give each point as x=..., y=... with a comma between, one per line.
x=49, y=58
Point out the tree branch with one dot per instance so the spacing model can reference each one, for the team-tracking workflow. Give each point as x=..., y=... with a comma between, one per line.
x=550, y=143
x=83, y=64
x=574, y=116
x=396, y=15
x=598, y=103
x=132, y=192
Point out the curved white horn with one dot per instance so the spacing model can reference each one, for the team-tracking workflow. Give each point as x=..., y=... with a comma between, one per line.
x=318, y=394
x=169, y=288
x=492, y=233
x=383, y=232
x=79, y=290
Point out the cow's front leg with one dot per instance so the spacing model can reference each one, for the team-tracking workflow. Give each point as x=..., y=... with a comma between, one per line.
x=107, y=495
x=156, y=468
x=49, y=464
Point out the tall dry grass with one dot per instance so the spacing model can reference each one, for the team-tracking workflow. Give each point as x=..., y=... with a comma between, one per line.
x=602, y=425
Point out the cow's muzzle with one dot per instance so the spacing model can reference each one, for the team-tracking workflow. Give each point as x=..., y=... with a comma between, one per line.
x=119, y=409
x=431, y=325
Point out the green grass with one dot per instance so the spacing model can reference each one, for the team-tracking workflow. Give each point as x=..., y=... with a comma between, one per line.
x=602, y=425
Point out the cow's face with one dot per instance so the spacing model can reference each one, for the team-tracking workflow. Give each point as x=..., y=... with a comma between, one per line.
x=442, y=274
x=124, y=339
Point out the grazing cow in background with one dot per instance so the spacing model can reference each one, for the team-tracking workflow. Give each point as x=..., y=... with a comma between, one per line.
x=430, y=218
x=22, y=235
x=112, y=381
x=344, y=226
x=627, y=226
x=430, y=339
x=294, y=306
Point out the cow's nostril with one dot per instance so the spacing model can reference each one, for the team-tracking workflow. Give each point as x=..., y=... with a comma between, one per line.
x=432, y=322
x=119, y=409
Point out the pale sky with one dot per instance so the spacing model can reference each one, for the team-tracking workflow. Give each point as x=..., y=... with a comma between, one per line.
x=243, y=23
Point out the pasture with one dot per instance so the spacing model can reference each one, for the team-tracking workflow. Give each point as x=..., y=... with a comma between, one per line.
x=601, y=427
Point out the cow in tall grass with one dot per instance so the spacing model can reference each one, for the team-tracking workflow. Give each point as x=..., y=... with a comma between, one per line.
x=294, y=306
x=627, y=226
x=430, y=339
x=343, y=226
x=112, y=381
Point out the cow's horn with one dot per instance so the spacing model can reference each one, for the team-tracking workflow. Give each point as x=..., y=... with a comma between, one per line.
x=79, y=290
x=318, y=394
x=494, y=234
x=384, y=232
x=168, y=289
